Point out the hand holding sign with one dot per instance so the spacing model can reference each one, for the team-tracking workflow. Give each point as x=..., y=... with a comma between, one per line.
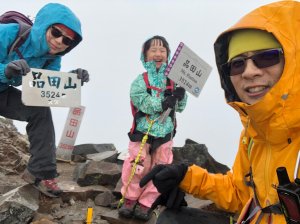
x=179, y=93
x=82, y=74
x=169, y=103
x=15, y=68
x=187, y=70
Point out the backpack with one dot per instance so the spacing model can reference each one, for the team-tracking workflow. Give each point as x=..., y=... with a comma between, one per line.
x=135, y=112
x=25, y=25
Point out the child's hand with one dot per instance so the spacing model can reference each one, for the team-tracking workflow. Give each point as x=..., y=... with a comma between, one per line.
x=169, y=102
x=179, y=93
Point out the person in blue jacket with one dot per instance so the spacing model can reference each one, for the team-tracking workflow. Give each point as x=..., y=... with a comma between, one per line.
x=55, y=32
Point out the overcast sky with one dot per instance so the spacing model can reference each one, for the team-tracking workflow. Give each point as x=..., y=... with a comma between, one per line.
x=113, y=33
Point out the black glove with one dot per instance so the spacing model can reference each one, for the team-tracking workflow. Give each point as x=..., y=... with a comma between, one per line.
x=179, y=93
x=16, y=68
x=82, y=74
x=169, y=102
x=165, y=177
x=173, y=199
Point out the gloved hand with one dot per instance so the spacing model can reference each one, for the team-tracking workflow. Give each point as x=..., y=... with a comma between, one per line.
x=169, y=102
x=173, y=199
x=165, y=177
x=16, y=68
x=179, y=93
x=82, y=74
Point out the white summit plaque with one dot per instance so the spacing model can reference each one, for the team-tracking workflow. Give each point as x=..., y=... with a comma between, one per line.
x=42, y=87
x=188, y=70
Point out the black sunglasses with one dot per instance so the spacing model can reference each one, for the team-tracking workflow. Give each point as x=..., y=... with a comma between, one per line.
x=57, y=33
x=262, y=59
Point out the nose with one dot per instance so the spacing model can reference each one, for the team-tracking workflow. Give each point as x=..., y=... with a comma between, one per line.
x=59, y=39
x=251, y=70
x=157, y=53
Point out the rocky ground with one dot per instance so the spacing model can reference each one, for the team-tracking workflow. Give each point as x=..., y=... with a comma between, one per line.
x=91, y=180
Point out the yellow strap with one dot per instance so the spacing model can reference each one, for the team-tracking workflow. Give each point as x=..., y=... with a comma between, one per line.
x=144, y=140
x=231, y=220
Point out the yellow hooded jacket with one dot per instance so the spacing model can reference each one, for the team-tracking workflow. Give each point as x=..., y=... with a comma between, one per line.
x=273, y=123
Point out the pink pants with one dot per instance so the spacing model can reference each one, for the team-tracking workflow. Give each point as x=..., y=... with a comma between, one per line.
x=148, y=194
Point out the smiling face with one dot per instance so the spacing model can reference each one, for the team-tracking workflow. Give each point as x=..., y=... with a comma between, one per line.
x=157, y=53
x=54, y=37
x=253, y=83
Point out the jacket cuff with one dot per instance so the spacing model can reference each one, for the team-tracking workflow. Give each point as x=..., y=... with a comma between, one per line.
x=186, y=182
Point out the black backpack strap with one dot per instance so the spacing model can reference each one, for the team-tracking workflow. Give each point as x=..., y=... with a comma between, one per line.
x=275, y=209
x=154, y=142
x=271, y=209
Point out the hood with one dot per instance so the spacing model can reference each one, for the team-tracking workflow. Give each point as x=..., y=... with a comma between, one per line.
x=50, y=14
x=278, y=109
x=150, y=66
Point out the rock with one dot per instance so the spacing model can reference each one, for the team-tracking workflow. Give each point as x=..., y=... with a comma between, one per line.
x=19, y=205
x=113, y=218
x=14, y=148
x=108, y=156
x=72, y=191
x=43, y=221
x=85, y=149
x=195, y=153
x=105, y=199
x=97, y=173
x=191, y=215
x=40, y=218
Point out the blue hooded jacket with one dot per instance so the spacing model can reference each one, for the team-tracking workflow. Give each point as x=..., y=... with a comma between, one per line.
x=35, y=49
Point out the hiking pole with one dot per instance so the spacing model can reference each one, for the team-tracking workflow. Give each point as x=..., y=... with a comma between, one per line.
x=165, y=114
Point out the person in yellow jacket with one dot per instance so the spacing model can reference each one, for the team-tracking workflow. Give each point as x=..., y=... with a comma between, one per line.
x=258, y=60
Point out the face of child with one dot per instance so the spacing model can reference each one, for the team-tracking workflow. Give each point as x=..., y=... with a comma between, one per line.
x=57, y=39
x=157, y=53
x=252, y=83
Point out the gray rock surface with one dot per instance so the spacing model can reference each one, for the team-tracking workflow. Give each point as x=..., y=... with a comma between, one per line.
x=92, y=181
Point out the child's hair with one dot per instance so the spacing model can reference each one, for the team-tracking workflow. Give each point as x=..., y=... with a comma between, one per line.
x=147, y=44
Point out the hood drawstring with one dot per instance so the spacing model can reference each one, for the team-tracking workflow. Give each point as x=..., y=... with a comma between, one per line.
x=245, y=139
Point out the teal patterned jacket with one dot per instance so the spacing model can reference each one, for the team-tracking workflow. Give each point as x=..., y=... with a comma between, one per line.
x=151, y=104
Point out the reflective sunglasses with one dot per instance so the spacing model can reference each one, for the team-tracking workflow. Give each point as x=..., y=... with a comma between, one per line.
x=57, y=33
x=262, y=59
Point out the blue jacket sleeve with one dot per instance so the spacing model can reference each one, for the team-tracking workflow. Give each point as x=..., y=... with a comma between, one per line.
x=8, y=33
